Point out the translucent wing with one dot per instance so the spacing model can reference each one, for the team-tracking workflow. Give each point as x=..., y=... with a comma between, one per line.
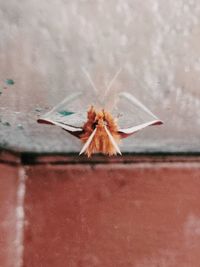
x=62, y=125
x=139, y=127
x=70, y=114
x=135, y=101
x=133, y=115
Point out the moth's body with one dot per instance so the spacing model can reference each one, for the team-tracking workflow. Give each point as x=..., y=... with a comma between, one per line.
x=104, y=129
x=98, y=130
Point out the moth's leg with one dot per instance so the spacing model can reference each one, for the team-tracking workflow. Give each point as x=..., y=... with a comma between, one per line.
x=86, y=145
x=112, y=140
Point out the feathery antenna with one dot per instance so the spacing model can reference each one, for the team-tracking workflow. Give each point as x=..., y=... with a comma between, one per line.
x=90, y=80
x=112, y=81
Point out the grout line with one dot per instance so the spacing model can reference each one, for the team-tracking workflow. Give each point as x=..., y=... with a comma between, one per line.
x=62, y=160
x=122, y=166
x=20, y=216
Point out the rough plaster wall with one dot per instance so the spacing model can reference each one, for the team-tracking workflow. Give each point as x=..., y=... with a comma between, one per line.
x=44, y=44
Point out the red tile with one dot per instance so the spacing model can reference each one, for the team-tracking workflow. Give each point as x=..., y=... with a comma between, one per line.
x=141, y=215
x=9, y=253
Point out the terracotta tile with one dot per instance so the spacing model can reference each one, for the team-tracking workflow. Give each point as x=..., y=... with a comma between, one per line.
x=8, y=226
x=113, y=215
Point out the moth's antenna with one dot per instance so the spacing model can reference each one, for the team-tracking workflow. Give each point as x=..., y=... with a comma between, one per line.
x=113, y=140
x=88, y=142
x=112, y=81
x=90, y=80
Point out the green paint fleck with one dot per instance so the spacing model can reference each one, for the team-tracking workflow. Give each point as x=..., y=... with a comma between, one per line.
x=10, y=82
x=65, y=112
x=6, y=123
x=38, y=109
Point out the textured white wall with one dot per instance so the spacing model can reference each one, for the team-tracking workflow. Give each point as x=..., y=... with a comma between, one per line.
x=44, y=44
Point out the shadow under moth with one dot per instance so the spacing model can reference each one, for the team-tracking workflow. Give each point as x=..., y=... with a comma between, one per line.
x=100, y=127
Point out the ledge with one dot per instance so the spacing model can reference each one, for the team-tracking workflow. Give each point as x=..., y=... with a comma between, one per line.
x=24, y=158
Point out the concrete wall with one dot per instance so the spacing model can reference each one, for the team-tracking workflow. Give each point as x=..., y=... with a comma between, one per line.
x=44, y=45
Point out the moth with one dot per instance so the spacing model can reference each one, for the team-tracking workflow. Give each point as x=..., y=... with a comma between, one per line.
x=99, y=127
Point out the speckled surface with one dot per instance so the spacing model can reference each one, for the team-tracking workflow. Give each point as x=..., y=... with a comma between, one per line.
x=44, y=45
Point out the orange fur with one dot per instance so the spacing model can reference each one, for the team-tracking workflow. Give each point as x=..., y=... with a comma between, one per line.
x=101, y=142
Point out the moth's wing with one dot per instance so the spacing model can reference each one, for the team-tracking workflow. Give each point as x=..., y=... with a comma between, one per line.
x=133, y=115
x=112, y=140
x=70, y=114
x=62, y=125
x=139, y=127
x=68, y=102
x=86, y=145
